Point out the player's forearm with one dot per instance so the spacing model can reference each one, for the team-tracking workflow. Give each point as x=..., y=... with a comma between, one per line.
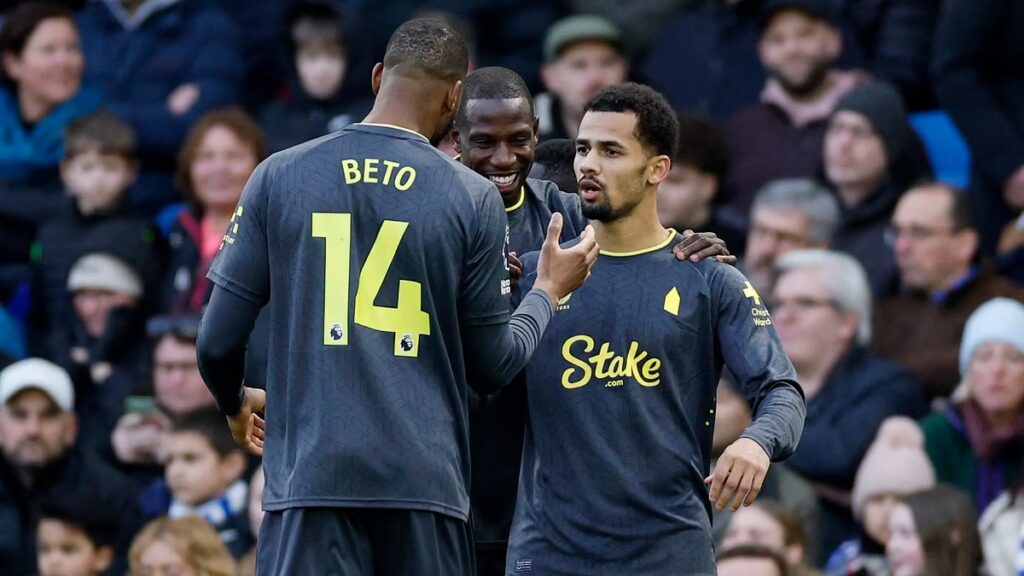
x=496, y=353
x=778, y=421
x=221, y=347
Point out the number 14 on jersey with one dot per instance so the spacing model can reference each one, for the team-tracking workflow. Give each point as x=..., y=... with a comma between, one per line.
x=407, y=321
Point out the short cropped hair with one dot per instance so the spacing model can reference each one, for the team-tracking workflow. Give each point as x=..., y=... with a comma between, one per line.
x=95, y=517
x=429, y=46
x=755, y=551
x=702, y=145
x=557, y=156
x=656, y=124
x=845, y=280
x=102, y=132
x=805, y=196
x=209, y=424
x=492, y=83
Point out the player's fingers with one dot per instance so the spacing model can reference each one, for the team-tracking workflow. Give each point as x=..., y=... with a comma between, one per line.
x=755, y=488
x=719, y=475
x=729, y=487
x=730, y=260
x=743, y=491
x=554, y=230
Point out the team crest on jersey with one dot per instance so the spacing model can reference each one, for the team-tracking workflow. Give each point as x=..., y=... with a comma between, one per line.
x=407, y=344
x=336, y=332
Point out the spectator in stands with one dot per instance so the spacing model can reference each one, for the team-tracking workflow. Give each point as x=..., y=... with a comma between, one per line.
x=1002, y=532
x=781, y=136
x=976, y=444
x=37, y=436
x=216, y=161
x=751, y=560
x=895, y=465
x=203, y=477
x=41, y=94
x=821, y=307
x=871, y=157
x=552, y=161
x=183, y=547
x=934, y=534
x=768, y=523
x=787, y=215
x=698, y=171
x=324, y=95
x=76, y=535
x=979, y=80
x=162, y=64
x=1011, y=250
x=107, y=350
x=732, y=416
x=582, y=55
x=98, y=168
x=178, y=390
x=935, y=241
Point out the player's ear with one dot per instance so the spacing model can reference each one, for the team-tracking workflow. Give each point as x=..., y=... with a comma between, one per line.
x=454, y=97
x=536, y=130
x=376, y=76
x=658, y=168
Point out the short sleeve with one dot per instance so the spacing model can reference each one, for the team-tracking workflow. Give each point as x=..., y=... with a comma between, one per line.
x=486, y=287
x=242, y=265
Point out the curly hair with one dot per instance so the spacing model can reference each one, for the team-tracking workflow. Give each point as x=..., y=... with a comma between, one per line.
x=656, y=125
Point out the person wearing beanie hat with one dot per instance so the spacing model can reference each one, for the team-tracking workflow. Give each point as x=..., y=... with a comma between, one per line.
x=582, y=55
x=895, y=465
x=976, y=444
x=871, y=155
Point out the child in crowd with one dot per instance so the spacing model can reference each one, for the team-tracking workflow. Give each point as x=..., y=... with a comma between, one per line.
x=327, y=91
x=99, y=167
x=895, y=465
x=203, y=477
x=182, y=547
x=768, y=523
x=75, y=536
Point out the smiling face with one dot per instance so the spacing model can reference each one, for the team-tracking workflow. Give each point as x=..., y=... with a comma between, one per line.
x=498, y=141
x=49, y=68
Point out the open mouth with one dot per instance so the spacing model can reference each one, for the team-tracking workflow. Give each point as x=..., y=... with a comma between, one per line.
x=590, y=189
x=503, y=180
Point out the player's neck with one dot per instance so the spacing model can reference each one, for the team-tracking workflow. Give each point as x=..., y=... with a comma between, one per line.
x=403, y=104
x=633, y=233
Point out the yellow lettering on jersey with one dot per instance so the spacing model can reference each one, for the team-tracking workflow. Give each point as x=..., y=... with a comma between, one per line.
x=672, y=302
x=637, y=364
x=368, y=172
x=749, y=292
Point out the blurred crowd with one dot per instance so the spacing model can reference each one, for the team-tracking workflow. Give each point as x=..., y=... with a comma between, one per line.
x=864, y=158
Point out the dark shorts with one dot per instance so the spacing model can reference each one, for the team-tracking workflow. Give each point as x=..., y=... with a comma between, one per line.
x=364, y=542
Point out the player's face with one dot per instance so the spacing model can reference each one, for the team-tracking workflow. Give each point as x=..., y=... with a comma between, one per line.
x=177, y=383
x=64, y=550
x=904, y=549
x=34, y=431
x=798, y=50
x=611, y=165
x=499, y=142
x=194, y=472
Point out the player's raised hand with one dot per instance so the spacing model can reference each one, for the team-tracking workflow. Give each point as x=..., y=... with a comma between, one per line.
x=739, y=472
x=559, y=271
x=697, y=246
x=248, y=427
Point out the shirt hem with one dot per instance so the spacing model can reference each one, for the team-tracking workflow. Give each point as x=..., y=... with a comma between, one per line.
x=390, y=503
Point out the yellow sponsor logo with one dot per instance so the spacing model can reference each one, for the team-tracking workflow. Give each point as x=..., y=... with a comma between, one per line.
x=606, y=364
x=376, y=171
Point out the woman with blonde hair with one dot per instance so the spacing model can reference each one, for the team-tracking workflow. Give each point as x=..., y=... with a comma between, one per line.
x=183, y=547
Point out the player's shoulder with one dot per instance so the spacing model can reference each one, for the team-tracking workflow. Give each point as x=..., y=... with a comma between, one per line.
x=555, y=199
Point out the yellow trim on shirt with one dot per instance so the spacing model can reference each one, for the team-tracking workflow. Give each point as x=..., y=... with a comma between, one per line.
x=671, y=236
x=519, y=203
x=395, y=127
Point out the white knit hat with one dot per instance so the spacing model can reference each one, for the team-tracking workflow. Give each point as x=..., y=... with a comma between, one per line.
x=998, y=320
x=896, y=463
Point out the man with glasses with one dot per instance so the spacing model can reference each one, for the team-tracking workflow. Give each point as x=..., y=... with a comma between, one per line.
x=935, y=242
x=821, y=306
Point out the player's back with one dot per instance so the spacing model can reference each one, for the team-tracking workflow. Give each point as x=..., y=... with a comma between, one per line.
x=370, y=234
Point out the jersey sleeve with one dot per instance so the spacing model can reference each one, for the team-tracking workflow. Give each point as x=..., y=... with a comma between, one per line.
x=242, y=266
x=753, y=353
x=486, y=287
